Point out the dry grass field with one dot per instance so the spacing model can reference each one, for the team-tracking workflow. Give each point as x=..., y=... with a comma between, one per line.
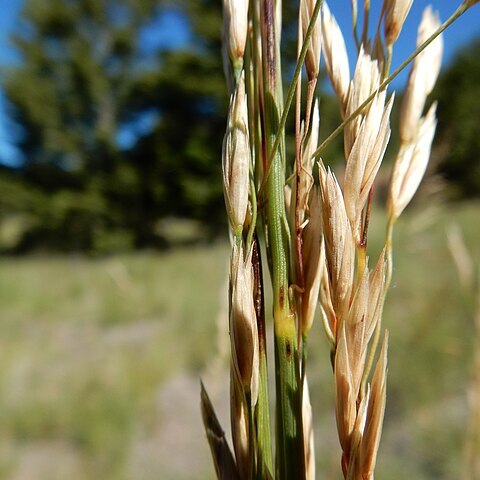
x=100, y=361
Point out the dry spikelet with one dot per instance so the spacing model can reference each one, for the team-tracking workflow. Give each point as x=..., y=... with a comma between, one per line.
x=236, y=158
x=239, y=425
x=339, y=244
x=243, y=323
x=312, y=59
x=365, y=158
x=357, y=438
x=225, y=466
x=422, y=77
x=345, y=399
x=396, y=12
x=335, y=56
x=355, y=324
x=375, y=414
x=410, y=165
x=365, y=81
x=313, y=259
x=308, y=439
x=235, y=17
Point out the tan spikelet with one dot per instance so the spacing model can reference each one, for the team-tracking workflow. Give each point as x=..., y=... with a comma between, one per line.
x=335, y=56
x=312, y=59
x=339, y=243
x=355, y=464
x=235, y=16
x=243, y=323
x=365, y=159
x=239, y=424
x=396, y=12
x=345, y=400
x=236, y=158
x=375, y=414
x=355, y=331
x=365, y=81
x=422, y=78
x=410, y=165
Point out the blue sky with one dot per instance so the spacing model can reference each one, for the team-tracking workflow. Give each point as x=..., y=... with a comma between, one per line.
x=171, y=31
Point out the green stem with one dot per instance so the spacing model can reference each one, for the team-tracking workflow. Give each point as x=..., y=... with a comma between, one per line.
x=262, y=409
x=460, y=11
x=253, y=220
x=251, y=437
x=289, y=452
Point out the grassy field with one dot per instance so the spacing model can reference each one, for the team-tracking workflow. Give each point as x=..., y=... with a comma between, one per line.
x=100, y=361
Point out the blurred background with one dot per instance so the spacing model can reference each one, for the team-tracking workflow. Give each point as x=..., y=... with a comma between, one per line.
x=114, y=249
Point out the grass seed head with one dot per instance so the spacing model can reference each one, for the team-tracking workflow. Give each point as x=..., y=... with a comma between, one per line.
x=410, y=165
x=312, y=59
x=375, y=414
x=355, y=326
x=236, y=158
x=366, y=80
x=339, y=243
x=239, y=425
x=365, y=159
x=422, y=78
x=345, y=400
x=243, y=323
x=396, y=12
x=335, y=56
x=235, y=15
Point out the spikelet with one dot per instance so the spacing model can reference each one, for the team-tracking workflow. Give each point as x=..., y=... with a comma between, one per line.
x=243, y=323
x=355, y=324
x=236, y=158
x=235, y=27
x=365, y=81
x=375, y=414
x=396, y=12
x=355, y=456
x=410, y=166
x=365, y=158
x=312, y=59
x=239, y=424
x=422, y=78
x=339, y=243
x=335, y=56
x=345, y=399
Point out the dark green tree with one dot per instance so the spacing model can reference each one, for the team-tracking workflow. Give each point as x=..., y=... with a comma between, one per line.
x=458, y=94
x=84, y=77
